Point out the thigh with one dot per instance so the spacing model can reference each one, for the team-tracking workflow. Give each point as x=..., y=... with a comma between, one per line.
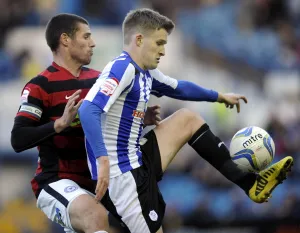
x=55, y=199
x=137, y=200
x=160, y=230
x=87, y=215
x=174, y=132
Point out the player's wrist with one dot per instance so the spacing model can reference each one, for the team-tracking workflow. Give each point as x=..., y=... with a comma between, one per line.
x=59, y=125
x=220, y=97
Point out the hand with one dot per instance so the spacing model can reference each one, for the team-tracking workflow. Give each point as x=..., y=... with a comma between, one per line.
x=231, y=99
x=103, y=177
x=69, y=113
x=152, y=116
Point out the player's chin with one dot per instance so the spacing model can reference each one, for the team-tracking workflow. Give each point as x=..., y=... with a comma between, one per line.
x=87, y=61
x=154, y=66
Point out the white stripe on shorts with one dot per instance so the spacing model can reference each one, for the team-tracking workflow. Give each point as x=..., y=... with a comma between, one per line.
x=123, y=193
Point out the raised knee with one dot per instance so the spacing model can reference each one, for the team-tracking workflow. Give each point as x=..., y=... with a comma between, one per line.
x=191, y=121
x=189, y=116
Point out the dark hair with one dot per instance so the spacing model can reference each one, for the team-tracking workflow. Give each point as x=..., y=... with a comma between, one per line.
x=59, y=24
x=143, y=20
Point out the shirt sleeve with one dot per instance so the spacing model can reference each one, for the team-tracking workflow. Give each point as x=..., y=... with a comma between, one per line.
x=34, y=98
x=27, y=130
x=116, y=77
x=162, y=84
x=180, y=89
x=90, y=118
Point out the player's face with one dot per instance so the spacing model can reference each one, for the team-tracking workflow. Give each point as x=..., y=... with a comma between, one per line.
x=153, y=48
x=82, y=44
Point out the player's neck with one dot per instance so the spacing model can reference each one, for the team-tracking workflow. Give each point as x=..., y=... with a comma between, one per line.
x=68, y=64
x=135, y=57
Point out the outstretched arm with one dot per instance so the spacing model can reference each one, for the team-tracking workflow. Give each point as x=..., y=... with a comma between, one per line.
x=185, y=90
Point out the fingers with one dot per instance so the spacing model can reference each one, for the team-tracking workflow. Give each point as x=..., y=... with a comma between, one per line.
x=157, y=111
x=244, y=98
x=229, y=105
x=78, y=105
x=157, y=120
x=101, y=188
x=154, y=111
x=238, y=107
x=70, y=105
x=155, y=107
x=74, y=97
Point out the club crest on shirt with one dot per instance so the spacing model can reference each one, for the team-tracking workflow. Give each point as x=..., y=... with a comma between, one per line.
x=109, y=86
x=25, y=94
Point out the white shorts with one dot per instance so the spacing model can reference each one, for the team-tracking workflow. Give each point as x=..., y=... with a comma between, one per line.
x=137, y=200
x=54, y=200
x=134, y=196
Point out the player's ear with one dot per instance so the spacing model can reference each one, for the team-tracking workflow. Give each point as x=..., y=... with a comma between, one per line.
x=64, y=39
x=139, y=40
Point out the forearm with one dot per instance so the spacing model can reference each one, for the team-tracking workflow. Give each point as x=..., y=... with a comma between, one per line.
x=186, y=90
x=90, y=118
x=25, y=137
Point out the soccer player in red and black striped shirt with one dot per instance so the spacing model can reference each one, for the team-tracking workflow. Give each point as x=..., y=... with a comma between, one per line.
x=47, y=118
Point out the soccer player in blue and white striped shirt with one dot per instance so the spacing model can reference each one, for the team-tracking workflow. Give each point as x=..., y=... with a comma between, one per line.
x=112, y=118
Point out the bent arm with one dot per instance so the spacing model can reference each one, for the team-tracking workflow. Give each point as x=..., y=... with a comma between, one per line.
x=27, y=134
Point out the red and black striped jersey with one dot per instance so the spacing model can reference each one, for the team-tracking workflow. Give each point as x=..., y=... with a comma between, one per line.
x=63, y=155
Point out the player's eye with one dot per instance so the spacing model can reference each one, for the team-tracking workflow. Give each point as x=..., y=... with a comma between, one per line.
x=161, y=42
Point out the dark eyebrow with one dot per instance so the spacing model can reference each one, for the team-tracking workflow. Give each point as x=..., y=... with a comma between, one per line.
x=87, y=34
x=161, y=41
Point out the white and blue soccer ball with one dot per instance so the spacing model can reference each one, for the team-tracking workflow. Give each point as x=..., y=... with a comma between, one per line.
x=252, y=149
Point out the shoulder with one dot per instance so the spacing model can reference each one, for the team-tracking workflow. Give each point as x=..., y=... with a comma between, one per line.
x=155, y=72
x=39, y=81
x=120, y=67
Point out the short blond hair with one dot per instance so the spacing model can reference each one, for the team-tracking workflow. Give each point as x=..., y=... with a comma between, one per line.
x=143, y=20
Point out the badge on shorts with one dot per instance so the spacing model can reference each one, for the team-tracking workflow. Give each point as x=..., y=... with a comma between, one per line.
x=70, y=189
x=153, y=215
x=58, y=218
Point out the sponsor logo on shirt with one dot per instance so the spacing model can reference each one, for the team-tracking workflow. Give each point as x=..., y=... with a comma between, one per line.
x=109, y=86
x=138, y=114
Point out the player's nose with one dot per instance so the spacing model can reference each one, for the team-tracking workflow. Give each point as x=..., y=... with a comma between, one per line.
x=162, y=52
x=92, y=44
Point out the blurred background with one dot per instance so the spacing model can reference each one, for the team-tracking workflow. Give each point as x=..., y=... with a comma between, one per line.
x=245, y=46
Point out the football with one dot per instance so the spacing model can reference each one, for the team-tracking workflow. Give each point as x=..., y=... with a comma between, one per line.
x=252, y=149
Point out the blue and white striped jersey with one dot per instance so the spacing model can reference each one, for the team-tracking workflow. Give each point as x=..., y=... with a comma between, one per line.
x=122, y=91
